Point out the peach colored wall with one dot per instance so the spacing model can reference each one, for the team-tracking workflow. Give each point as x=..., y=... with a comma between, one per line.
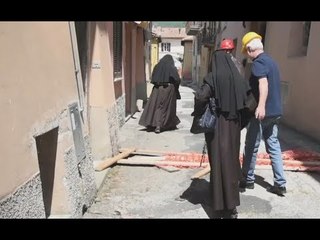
x=127, y=66
x=140, y=67
x=101, y=76
x=134, y=66
x=37, y=83
x=123, y=90
x=187, y=61
x=101, y=89
x=154, y=52
x=133, y=70
x=302, y=74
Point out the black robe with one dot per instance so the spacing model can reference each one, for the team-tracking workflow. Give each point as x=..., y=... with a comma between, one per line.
x=161, y=108
x=230, y=91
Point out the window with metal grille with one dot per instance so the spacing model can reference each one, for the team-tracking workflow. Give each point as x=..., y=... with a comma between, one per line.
x=165, y=47
x=306, y=32
x=299, y=39
x=117, y=49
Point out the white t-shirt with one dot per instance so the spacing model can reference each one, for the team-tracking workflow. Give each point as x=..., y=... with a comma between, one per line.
x=177, y=64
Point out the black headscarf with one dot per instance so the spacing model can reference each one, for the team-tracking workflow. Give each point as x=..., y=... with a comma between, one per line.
x=230, y=88
x=165, y=71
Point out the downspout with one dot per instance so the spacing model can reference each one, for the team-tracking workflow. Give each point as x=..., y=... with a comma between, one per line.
x=77, y=66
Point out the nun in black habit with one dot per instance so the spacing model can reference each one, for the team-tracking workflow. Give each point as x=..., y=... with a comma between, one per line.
x=230, y=90
x=161, y=108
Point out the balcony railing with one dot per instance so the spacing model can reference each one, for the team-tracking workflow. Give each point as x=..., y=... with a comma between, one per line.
x=192, y=28
x=208, y=40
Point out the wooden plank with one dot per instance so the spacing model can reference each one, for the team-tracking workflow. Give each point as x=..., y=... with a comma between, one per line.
x=109, y=161
x=138, y=158
x=202, y=172
x=146, y=152
x=156, y=162
x=168, y=168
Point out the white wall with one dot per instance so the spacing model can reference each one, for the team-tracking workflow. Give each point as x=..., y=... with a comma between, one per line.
x=176, y=49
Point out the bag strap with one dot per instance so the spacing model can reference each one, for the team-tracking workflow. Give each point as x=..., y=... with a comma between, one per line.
x=203, y=153
x=212, y=105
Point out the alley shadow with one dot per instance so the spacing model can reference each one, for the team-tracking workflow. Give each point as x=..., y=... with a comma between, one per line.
x=260, y=181
x=292, y=139
x=198, y=193
x=190, y=84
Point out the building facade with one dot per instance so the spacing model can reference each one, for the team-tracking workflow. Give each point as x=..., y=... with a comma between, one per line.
x=294, y=47
x=65, y=98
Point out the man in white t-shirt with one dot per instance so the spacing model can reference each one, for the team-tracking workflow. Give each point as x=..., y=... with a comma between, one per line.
x=178, y=65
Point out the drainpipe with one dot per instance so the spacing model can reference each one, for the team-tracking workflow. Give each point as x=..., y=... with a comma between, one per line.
x=76, y=61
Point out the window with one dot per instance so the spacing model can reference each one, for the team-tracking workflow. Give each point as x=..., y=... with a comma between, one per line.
x=305, y=35
x=117, y=49
x=284, y=92
x=299, y=39
x=165, y=47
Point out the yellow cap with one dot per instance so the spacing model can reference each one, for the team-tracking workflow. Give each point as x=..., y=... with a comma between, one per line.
x=247, y=38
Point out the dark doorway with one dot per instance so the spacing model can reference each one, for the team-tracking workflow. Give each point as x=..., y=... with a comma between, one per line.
x=47, y=151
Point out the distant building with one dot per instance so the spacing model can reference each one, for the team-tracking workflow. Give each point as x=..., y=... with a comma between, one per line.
x=170, y=41
x=169, y=24
x=187, y=58
x=155, y=41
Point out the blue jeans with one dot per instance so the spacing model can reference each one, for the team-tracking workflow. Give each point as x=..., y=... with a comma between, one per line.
x=268, y=129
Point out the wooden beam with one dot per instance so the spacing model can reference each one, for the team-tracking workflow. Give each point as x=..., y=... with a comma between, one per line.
x=109, y=161
x=202, y=172
x=157, y=162
x=169, y=168
x=146, y=152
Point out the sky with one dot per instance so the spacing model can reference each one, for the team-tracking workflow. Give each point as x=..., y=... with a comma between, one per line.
x=169, y=24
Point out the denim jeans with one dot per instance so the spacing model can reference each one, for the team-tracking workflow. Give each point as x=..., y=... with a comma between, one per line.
x=268, y=129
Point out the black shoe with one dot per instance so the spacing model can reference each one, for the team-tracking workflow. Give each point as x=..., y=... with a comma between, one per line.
x=149, y=129
x=230, y=214
x=248, y=185
x=234, y=214
x=280, y=191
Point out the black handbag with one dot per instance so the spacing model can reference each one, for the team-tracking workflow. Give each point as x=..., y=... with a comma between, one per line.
x=206, y=122
x=249, y=111
x=251, y=102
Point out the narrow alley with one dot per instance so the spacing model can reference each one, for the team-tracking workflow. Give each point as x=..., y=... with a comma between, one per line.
x=73, y=92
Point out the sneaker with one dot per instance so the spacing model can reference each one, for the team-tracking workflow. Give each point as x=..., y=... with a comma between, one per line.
x=234, y=214
x=280, y=191
x=230, y=214
x=249, y=185
x=157, y=130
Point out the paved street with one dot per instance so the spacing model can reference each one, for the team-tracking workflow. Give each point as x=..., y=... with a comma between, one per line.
x=150, y=192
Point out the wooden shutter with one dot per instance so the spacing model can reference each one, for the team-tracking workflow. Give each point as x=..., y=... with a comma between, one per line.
x=117, y=49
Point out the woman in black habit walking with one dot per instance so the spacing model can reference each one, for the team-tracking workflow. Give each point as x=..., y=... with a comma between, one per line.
x=160, y=111
x=230, y=90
